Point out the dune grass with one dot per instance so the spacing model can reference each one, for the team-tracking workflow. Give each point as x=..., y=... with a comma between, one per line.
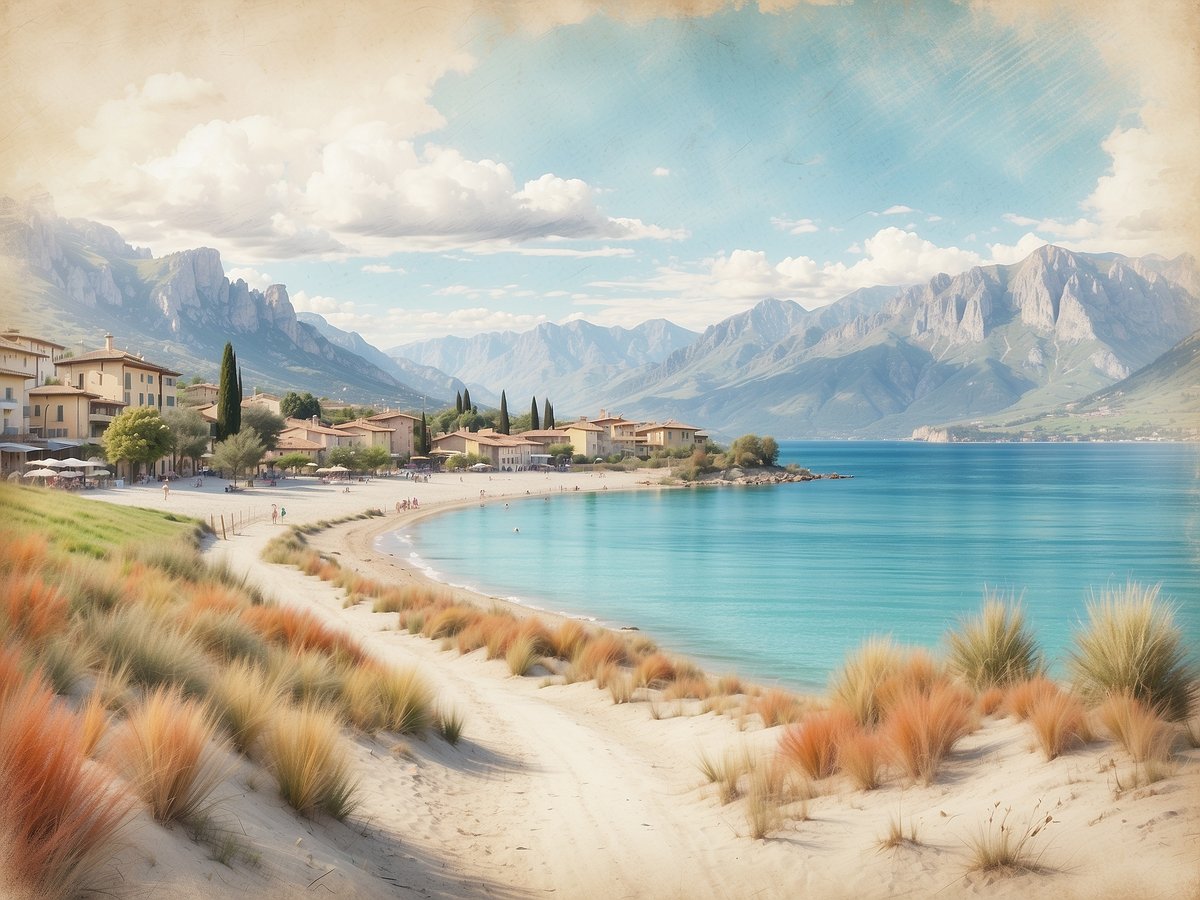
x=300, y=629
x=856, y=685
x=406, y=699
x=31, y=610
x=860, y=757
x=654, y=671
x=449, y=724
x=776, y=706
x=813, y=744
x=522, y=654
x=1136, y=727
x=1059, y=721
x=225, y=635
x=994, y=647
x=726, y=770
x=1000, y=847
x=1132, y=645
x=243, y=698
x=150, y=649
x=60, y=818
x=922, y=728
x=169, y=752
x=303, y=747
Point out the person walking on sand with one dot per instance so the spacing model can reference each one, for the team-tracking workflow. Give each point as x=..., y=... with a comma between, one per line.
x=274, y=514
x=166, y=489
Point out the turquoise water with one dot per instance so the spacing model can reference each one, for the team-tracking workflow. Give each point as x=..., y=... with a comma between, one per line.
x=779, y=582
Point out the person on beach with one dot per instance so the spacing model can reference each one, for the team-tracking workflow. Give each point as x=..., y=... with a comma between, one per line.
x=166, y=489
x=274, y=514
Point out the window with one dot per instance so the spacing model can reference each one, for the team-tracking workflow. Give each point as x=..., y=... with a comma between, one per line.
x=80, y=383
x=37, y=411
x=149, y=379
x=170, y=401
x=169, y=381
x=151, y=396
x=141, y=399
x=8, y=394
x=127, y=397
x=59, y=417
x=128, y=384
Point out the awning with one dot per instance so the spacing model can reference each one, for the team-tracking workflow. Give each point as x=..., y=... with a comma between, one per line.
x=62, y=443
x=9, y=447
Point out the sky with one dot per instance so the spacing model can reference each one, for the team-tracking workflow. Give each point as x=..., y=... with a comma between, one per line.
x=413, y=170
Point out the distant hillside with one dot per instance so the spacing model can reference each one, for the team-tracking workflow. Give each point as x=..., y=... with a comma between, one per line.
x=73, y=281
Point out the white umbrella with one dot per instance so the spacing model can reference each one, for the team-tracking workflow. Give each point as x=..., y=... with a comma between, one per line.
x=34, y=462
x=41, y=473
x=310, y=465
x=102, y=473
x=322, y=469
x=96, y=461
x=338, y=469
x=73, y=462
x=55, y=463
x=70, y=474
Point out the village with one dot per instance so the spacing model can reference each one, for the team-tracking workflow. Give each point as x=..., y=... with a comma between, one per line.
x=56, y=402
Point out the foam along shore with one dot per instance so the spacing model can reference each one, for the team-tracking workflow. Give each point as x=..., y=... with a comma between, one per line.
x=555, y=789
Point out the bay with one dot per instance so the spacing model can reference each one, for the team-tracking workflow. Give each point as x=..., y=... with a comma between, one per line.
x=779, y=582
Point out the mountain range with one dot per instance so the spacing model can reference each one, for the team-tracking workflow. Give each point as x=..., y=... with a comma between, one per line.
x=992, y=347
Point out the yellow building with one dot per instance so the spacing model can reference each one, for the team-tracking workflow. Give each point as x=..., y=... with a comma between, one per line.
x=120, y=376
x=503, y=451
x=370, y=433
x=19, y=368
x=671, y=435
x=62, y=411
x=586, y=438
x=401, y=442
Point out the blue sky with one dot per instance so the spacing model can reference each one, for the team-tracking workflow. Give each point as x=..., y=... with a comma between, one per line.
x=449, y=172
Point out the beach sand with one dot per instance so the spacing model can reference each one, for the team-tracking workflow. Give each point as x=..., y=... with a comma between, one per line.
x=555, y=790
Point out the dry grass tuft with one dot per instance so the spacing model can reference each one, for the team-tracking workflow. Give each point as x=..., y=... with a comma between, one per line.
x=568, y=639
x=450, y=725
x=448, y=622
x=31, y=610
x=360, y=699
x=730, y=685
x=300, y=629
x=605, y=649
x=856, y=686
x=406, y=700
x=1001, y=848
x=990, y=701
x=1136, y=727
x=59, y=816
x=654, y=671
x=1132, y=645
x=922, y=728
x=726, y=771
x=860, y=756
x=915, y=671
x=244, y=697
x=813, y=743
x=1024, y=695
x=778, y=707
x=167, y=751
x=304, y=750
x=695, y=687
x=994, y=648
x=619, y=684
x=523, y=653
x=151, y=650
x=1059, y=721
x=94, y=721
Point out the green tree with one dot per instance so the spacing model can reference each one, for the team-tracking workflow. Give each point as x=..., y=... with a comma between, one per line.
x=504, y=425
x=559, y=451
x=547, y=414
x=295, y=461
x=344, y=456
x=138, y=435
x=229, y=397
x=458, y=402
x=533, y=415
x=770, y=451
x=466, y=400
x=266, y=423
x=239, y=453
x=422, y=439
x=189, y=434
x=373, y=458
x=300, y=406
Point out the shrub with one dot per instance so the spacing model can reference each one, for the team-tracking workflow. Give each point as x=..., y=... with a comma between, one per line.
x=244, y=698
x=1135, y=727
x=995, y=647
x=60, y=817
x=813, y=743
x=304, y=750
x=923, y=728
x=167, y=751
x=150, y=650
x=450, y=726
x=1058, y=721
x=655, y=670
x=777, y=707
x=522, y=654
x=1024, y=695
x=604, y=649
x=1132, y=645
x=860, y=757
x=856, y=686
x=406, y=700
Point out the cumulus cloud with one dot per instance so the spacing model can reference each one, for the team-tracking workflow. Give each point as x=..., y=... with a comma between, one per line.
x=255, y=279
x=895, y=210
x=381, y=269
x=795, y=226
x=325, y=306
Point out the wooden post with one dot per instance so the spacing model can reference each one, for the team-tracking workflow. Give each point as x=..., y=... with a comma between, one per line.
x=224, y=536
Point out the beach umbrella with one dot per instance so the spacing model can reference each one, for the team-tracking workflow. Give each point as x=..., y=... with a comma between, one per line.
x=96, y=461
x=102, y=473
x=41, y=473
x=34, y=462
x=70, y=474
x=310, y=465
x=73, y=462
x=338, y=469
x=55, y=463
x=322, y=470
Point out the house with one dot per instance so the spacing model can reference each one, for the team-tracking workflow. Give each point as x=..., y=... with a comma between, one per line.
x=370, y=433
x=586, y=438
x=266, y=401
x=204, y=394
x=404, y=427
x=313, y=430
x=20, y=365
x=65, y=412
x=48, y=352
x=290, y=442
x=622, y=435
x=120, y=376
x=671, y=435
x=505, y=452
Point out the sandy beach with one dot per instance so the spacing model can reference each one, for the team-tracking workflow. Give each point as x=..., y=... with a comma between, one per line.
x=556, y=790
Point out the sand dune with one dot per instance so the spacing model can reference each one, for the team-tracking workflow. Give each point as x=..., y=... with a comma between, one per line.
x=554, y=790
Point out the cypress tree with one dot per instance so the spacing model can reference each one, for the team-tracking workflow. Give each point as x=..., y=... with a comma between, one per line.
x=533, y=415
x=466, y=400
x=503, y=425
x=458, y=402
x=547, y=414
x=241, y=390
x=229, y=400
x=423, y=442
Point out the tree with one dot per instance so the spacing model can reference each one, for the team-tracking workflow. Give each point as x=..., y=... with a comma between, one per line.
x=770, y=451
x=229, y=397
x=504, y=424
x=458, y=402
x=239, y=452
x=466, y=400
x=295, y=460
x=373, y=458
x=189, y=434
x=533, y=415
x=558, y=451
x=300, y=406
x=422, y=440
x=547, y=415
x=266, y=423
x=137, y=436
x=344, y=456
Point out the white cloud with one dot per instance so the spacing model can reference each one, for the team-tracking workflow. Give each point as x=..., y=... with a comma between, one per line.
x=661, y=172
x=1006, y=254
x=895, y=210
x=255, y=279
x=381, y=269
x=933, y=218
x=325, y=306
x=795, y=226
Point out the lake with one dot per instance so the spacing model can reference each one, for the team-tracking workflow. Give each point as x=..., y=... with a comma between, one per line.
x=779, y=582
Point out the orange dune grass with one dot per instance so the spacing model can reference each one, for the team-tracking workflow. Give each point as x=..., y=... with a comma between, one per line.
x=31, y=609
x=655, y=670
x=860, y=756
x=1135, y=726
x=1020, y=699
x=813, y=743
x=209, y=597
x=915, y=670
x=168, y=752
x=569, y=638
x=605, y=650
x=94, y=720
x=22, y=551
x=449, y=621
x=922, y=728
x=778, y=707
x=856, y=685
x=1058, y=720
x=300, y=630
x=151, y=585
x=60, y=817
x=990, y=700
